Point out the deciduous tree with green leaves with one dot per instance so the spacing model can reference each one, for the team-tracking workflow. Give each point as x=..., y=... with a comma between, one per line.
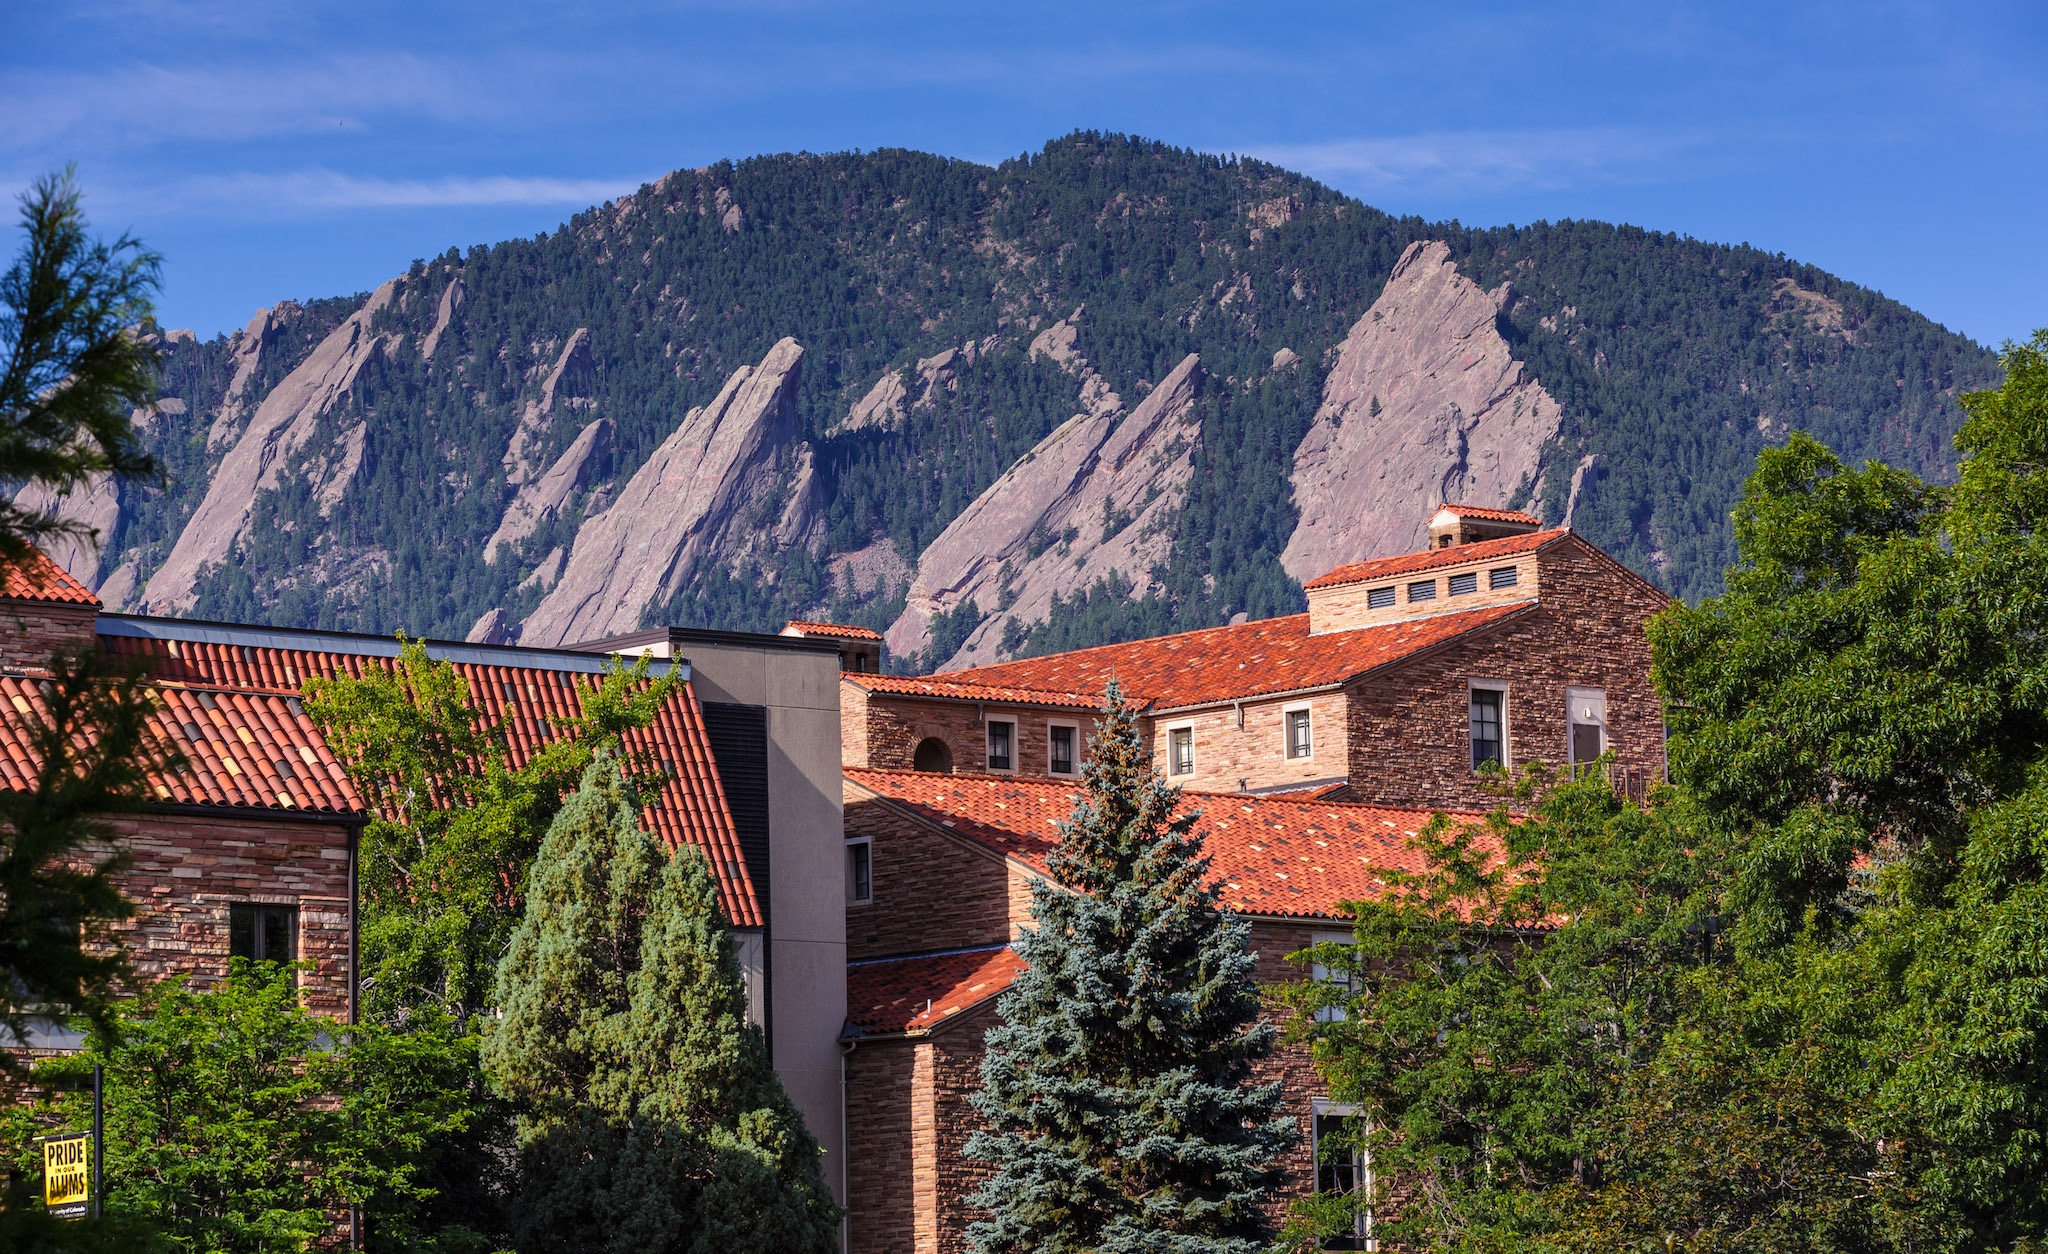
x=650, y=1117
x=1118, y=1086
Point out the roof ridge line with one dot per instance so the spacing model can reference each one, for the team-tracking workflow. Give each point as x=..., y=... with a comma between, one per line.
x=935, y=953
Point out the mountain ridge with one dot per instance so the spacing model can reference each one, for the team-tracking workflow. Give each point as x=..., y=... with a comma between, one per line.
x=938, y=308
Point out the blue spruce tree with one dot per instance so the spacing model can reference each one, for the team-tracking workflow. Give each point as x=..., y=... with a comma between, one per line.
x=1118, y=1085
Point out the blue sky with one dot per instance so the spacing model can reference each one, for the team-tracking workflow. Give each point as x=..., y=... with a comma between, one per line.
x=293, y=150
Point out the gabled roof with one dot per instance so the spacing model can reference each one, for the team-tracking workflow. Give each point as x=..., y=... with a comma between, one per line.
x=525, y=688
x=36, y=578
x=914, y=994
x=1221, y=664
x=1486, y=514
x=246, y=750
x=1433, y=559
x=1276, y=855
x=798, y=627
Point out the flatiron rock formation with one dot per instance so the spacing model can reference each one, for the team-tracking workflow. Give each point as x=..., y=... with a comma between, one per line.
x=281, y=425
x=732, y=476
x=1095, y=497
x=542, y=499
x=1425, y=404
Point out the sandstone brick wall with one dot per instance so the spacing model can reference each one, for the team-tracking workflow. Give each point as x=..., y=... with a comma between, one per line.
x=187, y=870
x=1257, y=752
x=879, y=1147
x=853, y=725
x=1345, y=605
x=931, y=892
x=893, y=726
x=30, y=631
x=1410, y=725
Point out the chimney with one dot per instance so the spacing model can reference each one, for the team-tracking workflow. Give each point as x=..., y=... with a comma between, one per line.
x=1453, y=525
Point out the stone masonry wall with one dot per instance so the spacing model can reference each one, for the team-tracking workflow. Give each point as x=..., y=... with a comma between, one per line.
x=1256, y=753
x=30, y=631
x=930, y=892
x=186, y=871
x=893, y=726
x=1410, y=725
x=879, y=1146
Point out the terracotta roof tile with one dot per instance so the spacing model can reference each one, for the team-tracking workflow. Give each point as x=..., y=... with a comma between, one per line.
x=799, y=627
x=37, y=578
x=251, y=750
x=913, y=994
x=948, y=687
x=691, y=806
x=1271, y=855
x=1219, y=663
x=1432, y=559
x=1492, y=515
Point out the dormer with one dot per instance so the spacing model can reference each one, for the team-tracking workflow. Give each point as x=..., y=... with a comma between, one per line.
x=860, y=649
x=1467, y=575
x=1453, y=525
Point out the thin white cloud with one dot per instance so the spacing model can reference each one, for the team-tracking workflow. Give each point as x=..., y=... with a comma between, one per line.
x=317, y=190
x=1489, y=161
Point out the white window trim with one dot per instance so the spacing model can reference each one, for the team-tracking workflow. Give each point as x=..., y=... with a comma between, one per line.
x=1321, y=974
x=1573, y=698
x=1287, y=733
x=988, y=742
x=1368, y=1180
x=1507, y=720
x=846, y=865
x=1194, y=762
x=1075, y=727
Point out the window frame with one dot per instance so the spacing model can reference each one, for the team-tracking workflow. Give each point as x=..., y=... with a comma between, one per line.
x=1074, y=726
x=255, y=911
x=1363, y=1175
x=988, y=743
x=1287, y=713
x=1574, y=696
x=1320, y=974
x=1172, y=732
x=1501, y=686
x=866, y=843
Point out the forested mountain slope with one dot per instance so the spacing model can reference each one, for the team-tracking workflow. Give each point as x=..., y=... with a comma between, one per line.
x=766, y=389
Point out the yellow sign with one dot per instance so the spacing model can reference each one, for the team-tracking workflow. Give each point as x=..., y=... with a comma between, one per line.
x=67, y=1174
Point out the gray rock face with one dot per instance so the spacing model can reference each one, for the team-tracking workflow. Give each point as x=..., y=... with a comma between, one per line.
x=732, y=477
x=451, y=302
x=94, y=508
x=1426, y=404
x=281, y=425
x=570, y=377
x=1095, y=497
x=540, y=501
x=494, y=627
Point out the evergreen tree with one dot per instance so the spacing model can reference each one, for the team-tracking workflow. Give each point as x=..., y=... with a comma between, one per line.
x=650, y=1117
x=1116, y=1085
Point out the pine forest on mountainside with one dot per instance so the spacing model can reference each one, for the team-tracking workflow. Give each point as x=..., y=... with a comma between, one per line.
x=1674, y=362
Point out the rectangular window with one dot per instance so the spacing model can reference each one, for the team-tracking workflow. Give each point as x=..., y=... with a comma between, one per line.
x=1379, y=598
x=1424, y=590
x=1298, y=743
x=1321, y=974
x=1462, y=584
x=1502, y=577
x=1001, y=739
x=1059, y=749
x=1180, y=754
x=860, y=872
x=1488, y=726
x=1588, y=718
x=263, y=933
x=1344, y=1165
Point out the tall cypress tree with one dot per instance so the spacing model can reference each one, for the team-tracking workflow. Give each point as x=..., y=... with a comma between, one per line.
x=650, y=1119
x=1117, y=1086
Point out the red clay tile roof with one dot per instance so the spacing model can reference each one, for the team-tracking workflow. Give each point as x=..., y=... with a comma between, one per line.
x=1432, y=559
x=244, y=749
x=691, y=806
x=947, y=687
x=37, y=578
x=1271, y=855
x=1492, y=515
x=841, y=630
x=1220, y=664
x=913, y=994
